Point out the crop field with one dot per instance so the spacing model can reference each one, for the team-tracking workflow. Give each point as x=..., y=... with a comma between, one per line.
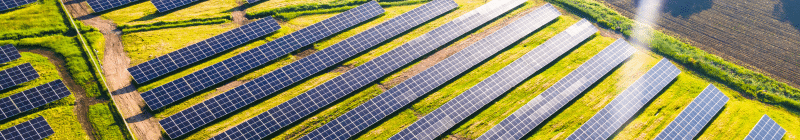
x=762, y=35
x=135, y=33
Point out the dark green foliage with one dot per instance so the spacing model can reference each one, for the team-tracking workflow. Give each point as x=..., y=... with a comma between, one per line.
x=749, y=82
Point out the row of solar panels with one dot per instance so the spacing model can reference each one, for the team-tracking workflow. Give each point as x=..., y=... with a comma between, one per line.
x=439, y=121
x=102, y=5
x=34, y=129
x=26, y=100
x=8, y=4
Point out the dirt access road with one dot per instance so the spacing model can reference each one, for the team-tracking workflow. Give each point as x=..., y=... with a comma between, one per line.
x=115, y=64
x=763, y=35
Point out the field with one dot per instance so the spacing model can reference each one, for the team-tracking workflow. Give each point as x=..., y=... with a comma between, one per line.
x=146, y=34
x=761, y=35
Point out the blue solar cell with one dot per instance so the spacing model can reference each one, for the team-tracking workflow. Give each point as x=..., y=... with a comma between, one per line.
x=32, y=98
x=166, y=5
x=9, y=53
x=102, y=5
x=207, y=77
x=8, y=4
x=34, y=129
x=627, y=103
x=766, y=129
x=432, y=125
x=285, y=77
x=301, y=69
x=559, y=94
x=377, y=108
x=699, y=113
x=17, y=75
x=193, y=53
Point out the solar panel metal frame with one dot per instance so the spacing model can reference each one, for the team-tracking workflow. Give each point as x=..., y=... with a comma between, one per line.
x=8, y=4
x=696, y=115
x=102, y=5
x=167, y=5
x=384, y=104
x=9, y=53
x=541, y=107
x=354, y=79
x=202, y=50
x=17, y=75
x=462, y=106
x=605, y=123
x=34, y=129
x=32, y=98
x=197, y=81
x=265, y=85
x=766, y=129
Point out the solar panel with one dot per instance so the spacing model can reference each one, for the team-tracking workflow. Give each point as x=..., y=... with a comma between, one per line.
x=766, y=129
x=201, y=50
x=554, y=98
x=32, y=98
x=276, y=80
x=35, y=129
x=17, y=75
x=9, y=53
x=404, y=93
x=102, y=5
x=692, y=119
x=166, y=5
x=8, y=4
x=352, y=80
x=202, y=79
x=603, y=124
x=456, y=110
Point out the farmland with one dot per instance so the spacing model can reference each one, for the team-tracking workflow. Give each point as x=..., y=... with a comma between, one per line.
x=762, y=35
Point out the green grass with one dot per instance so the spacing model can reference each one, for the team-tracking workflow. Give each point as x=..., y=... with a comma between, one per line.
x=145, y=12
x=69, y=49
x=104, y=123
x=58, y=114
x=147, y=45
x=38, y=19
x=129, y=28
x=61, y=119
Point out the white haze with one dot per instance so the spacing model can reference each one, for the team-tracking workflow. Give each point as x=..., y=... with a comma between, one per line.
x=647, y=15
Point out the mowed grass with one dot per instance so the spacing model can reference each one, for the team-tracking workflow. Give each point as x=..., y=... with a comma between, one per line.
x=148, y=45
x=39, y=18
x=59, y=114
x=145, y=12
x=104, y=123
x=61, y=119
x=272, y=4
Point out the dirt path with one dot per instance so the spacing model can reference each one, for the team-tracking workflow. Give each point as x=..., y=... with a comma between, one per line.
x=238, y=14
x=115, y=64
x=82, y=102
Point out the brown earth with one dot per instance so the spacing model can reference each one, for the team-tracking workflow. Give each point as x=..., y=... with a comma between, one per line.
x=758, y=34
x=82, y=102
x=115, y=64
